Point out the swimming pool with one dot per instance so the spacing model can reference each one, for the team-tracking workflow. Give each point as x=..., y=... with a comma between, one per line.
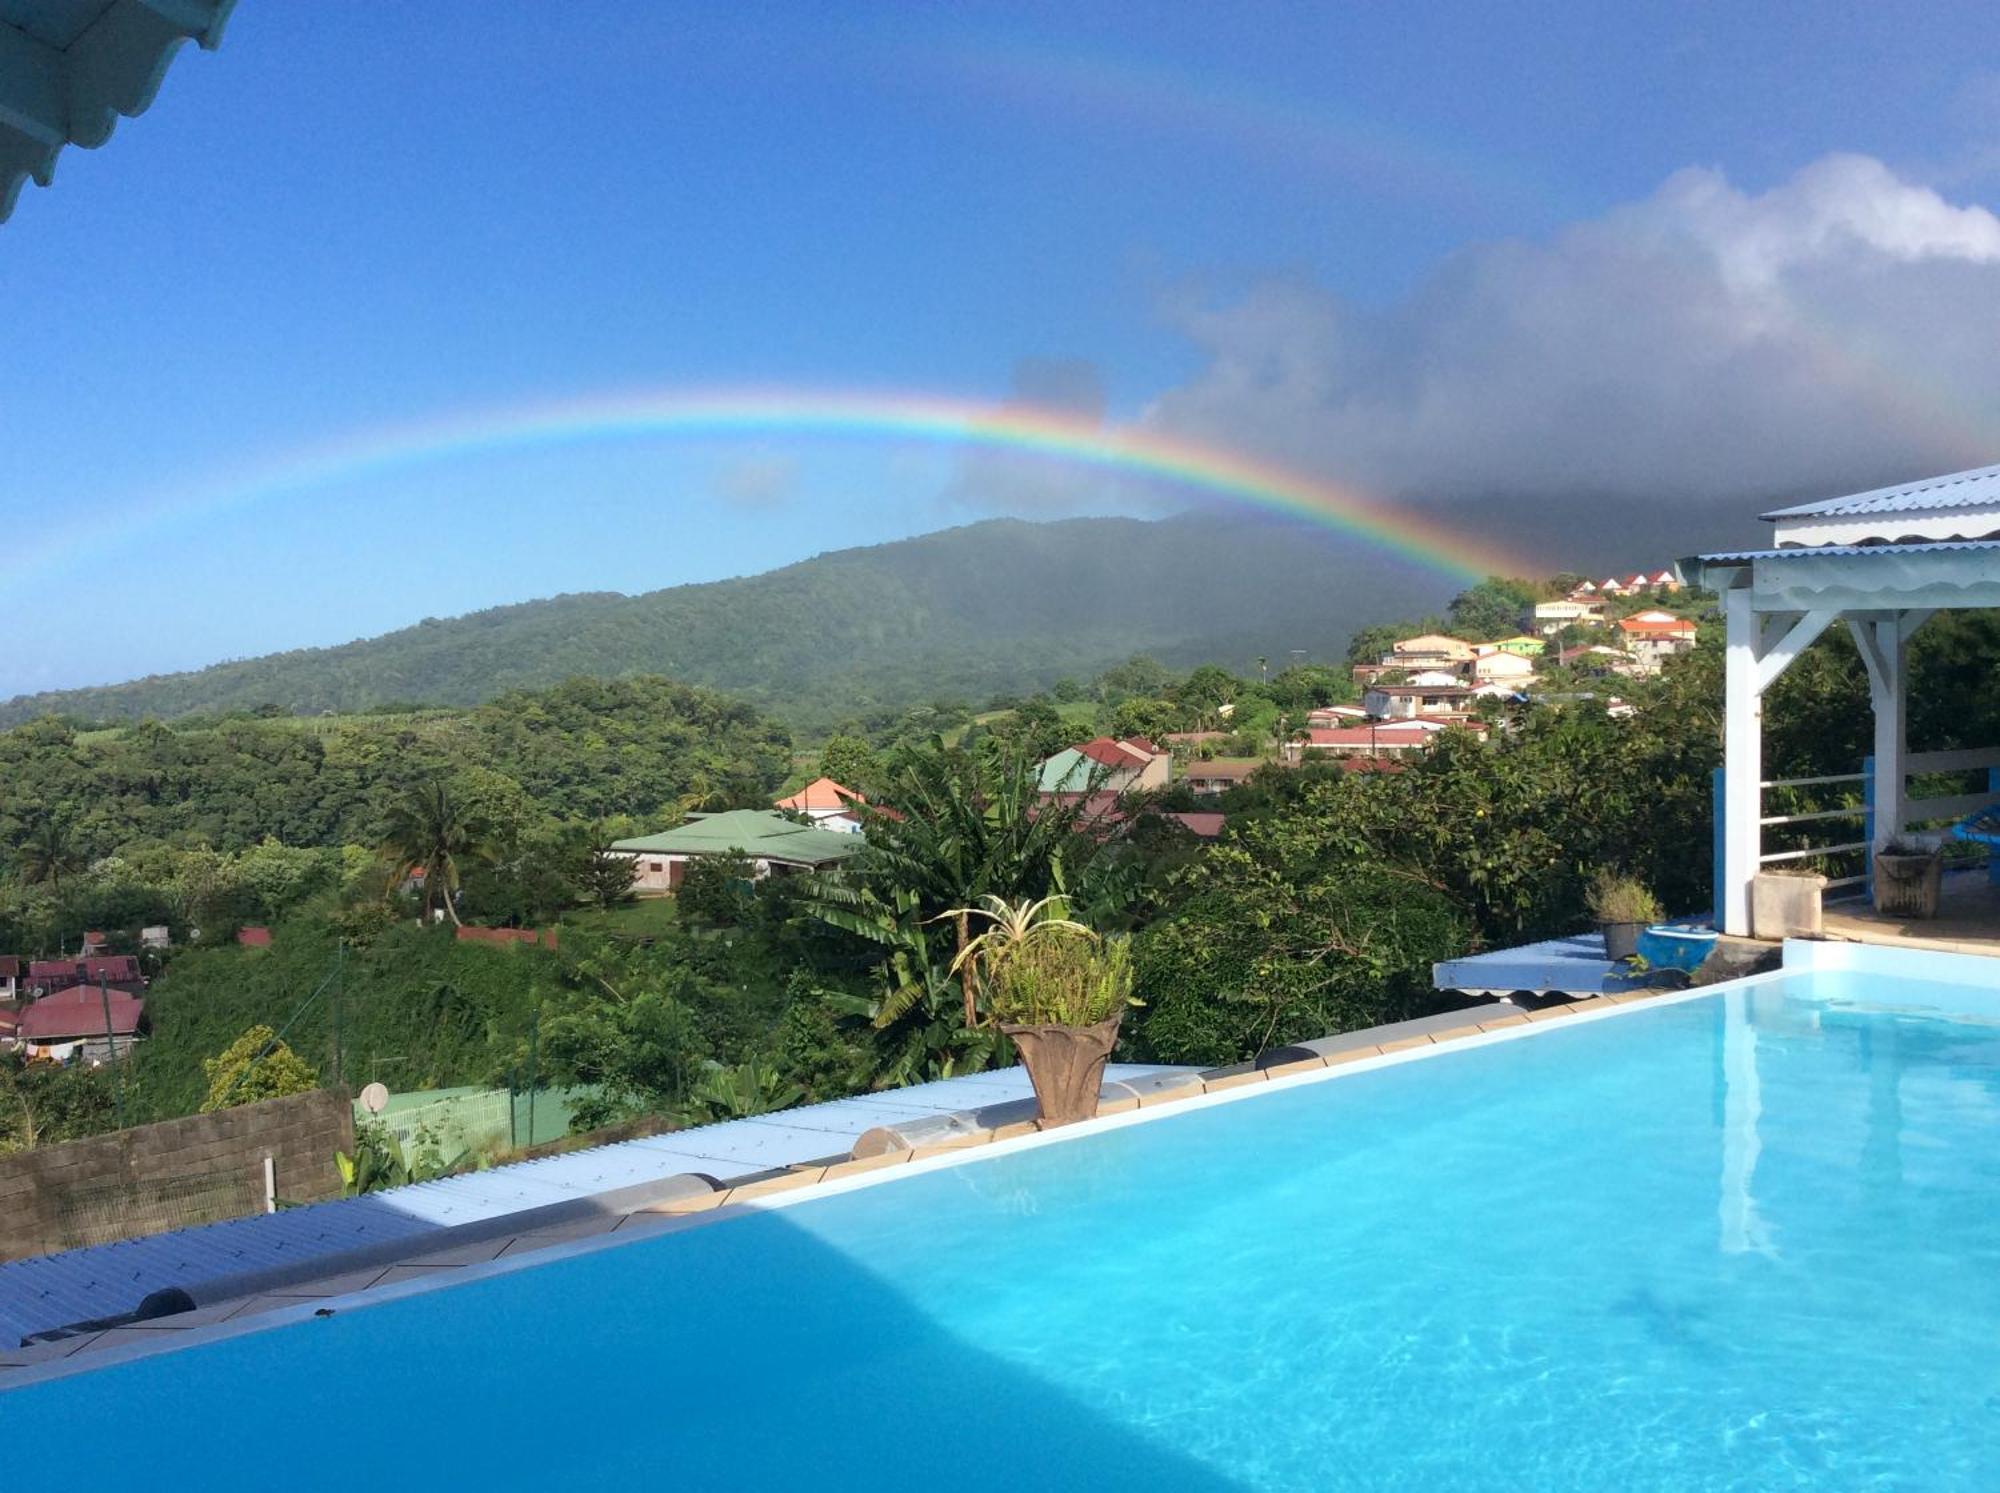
x=1741, y=1239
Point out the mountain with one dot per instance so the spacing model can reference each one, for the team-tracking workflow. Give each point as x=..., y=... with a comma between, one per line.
x=1001, y=606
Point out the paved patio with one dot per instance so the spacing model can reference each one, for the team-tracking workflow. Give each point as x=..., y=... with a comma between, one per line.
x=1968, y=920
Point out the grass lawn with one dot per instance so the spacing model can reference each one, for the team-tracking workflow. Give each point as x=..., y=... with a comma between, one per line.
x=642, y=915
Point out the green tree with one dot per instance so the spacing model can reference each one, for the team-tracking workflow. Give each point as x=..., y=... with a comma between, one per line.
x=432, y=831
x=49, y=852
x=257, y=1065
x=849, y=761
x=967, y=824
x=1150, y=718
x=605, y=876
x=1289, y=930
x=1491, y=609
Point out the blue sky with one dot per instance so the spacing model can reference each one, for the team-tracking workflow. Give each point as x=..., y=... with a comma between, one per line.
x=1308, y=231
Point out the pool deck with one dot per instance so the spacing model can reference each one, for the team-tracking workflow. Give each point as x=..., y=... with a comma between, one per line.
x=848, y=1137
x=598, y=1186
x=1575, y=966
x=1968, y=920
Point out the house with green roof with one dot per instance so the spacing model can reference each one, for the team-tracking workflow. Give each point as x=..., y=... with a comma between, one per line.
x=771, y=842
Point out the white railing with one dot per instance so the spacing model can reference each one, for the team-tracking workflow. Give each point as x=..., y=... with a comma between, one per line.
x=1813, y=816
x=1950, y=806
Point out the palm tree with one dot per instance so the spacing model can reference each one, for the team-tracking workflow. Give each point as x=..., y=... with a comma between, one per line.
x=49, y=853
x=955, y=825
x=432, y=831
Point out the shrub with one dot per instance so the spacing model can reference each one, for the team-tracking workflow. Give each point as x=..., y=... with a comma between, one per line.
x=1061, y=982
x=255, y=1066
x=1615, y=898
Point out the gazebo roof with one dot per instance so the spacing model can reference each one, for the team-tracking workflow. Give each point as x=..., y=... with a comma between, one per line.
x=1973, y=488
x=1850, y=577
x=70, y=68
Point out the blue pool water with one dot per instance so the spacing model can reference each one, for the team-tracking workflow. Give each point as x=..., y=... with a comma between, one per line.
x=1748, y=1240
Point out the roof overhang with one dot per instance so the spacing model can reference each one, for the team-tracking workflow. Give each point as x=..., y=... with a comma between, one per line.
x=70, y=68
x=1856, y=578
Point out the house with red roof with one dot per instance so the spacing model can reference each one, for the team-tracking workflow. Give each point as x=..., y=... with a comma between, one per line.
x=81, y=1014
x=12, y=968
x=1106, y=765
x=828, y=804
x=1653, y=637
x=119, y=971
x=1384, y=739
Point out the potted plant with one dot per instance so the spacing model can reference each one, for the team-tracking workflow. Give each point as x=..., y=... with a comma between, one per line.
x=1907, y=875
x=1059, y=991
x=1621, y=906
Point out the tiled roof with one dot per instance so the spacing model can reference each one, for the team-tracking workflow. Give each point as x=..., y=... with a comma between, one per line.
x=823, y=794
x=1966, y=489
x=79, y=1012
x=1103, y=749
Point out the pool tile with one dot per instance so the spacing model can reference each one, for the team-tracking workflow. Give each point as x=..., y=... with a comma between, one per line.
x=1233, y=1081
x=694, y=1202
x=1517, y=1019
x=956, y=1143
x=1404, y=1044
x=1118, y=1106
x=786, y=1182
x=1187, y=1090
x=396, y=1274
x=476, y=1253
x=856, y=1164
x=1456, y=1033
x=1351, y=1055
x=1303, y=1065
x=1547, y=1013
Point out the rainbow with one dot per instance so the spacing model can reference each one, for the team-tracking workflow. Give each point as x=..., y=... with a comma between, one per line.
x=1190, y=466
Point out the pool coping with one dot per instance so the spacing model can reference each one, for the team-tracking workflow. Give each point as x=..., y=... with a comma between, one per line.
x=23, y=1368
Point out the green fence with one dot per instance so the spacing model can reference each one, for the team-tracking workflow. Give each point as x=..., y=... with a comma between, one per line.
x=468, y=1119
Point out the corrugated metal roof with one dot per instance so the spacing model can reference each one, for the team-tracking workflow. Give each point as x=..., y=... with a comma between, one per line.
x=1955, y=490
x=1819, y=551
x=85, y=1284
x=760, y=833
x=70, y=68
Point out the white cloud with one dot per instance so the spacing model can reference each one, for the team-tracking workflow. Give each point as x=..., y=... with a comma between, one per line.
x=1665, y=367
x=761, y=481
x=1035, y=486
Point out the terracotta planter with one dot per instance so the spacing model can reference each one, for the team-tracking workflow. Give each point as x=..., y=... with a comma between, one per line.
x=1066, y=1066
x=1906, y=886
x=1621, y=940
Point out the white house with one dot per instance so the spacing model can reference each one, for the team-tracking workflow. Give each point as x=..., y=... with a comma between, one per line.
x=1502, y=668
x=1391, y=702
x=1550, y=617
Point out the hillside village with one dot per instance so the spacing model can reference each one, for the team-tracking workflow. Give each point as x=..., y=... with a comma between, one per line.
x=1580, y=642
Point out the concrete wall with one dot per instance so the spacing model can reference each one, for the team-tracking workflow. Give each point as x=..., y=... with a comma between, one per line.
x=198, y=1169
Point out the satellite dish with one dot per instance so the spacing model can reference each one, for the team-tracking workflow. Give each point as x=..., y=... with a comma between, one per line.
x=375, y=1098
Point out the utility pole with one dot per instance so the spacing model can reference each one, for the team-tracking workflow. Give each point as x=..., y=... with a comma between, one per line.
x=339, y=963
x=111, y=1048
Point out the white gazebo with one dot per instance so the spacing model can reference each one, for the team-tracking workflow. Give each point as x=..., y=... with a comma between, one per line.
x=70, y=68
x=1882, y=563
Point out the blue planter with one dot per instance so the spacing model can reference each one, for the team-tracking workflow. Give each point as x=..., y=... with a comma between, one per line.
x=1667, y=946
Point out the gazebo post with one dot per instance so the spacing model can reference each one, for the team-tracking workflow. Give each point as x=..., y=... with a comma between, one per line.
x=1742, y=761
x=1884, y=646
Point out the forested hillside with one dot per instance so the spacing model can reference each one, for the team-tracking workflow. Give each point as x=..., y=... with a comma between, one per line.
x=997, y=607
x=583, y=750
